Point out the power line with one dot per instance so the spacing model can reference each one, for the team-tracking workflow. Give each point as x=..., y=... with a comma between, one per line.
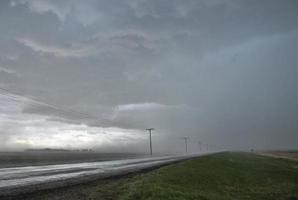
x=10, y=94
x=38, y=102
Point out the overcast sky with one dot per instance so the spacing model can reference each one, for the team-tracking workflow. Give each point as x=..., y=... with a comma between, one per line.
x=223, y=72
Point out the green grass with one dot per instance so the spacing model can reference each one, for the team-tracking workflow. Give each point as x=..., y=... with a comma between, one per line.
x=222, y=176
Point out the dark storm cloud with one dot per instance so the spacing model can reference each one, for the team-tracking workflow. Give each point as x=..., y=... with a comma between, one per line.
x=220, y=71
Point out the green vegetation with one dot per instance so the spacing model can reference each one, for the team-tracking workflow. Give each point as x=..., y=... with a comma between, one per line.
x=223, y=176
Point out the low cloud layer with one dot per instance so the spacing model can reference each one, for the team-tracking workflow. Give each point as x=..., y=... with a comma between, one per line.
x=220, y=72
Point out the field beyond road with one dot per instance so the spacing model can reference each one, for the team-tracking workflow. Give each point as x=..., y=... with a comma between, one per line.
x=222, y=176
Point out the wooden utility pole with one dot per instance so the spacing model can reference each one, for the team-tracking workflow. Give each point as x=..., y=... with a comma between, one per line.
x=185, y=140
x=200, y=146
x=150, y=138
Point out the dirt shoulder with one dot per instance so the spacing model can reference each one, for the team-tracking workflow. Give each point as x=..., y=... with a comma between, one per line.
x=291, y=155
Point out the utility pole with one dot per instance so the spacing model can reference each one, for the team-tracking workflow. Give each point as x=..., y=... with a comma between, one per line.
x=185, y=140
x=150, y=132
x=207, y=147
x=200, y=146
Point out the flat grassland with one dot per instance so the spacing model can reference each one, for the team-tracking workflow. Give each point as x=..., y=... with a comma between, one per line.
x=222, y=176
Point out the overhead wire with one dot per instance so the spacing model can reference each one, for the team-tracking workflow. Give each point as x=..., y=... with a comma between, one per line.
x=34, y=102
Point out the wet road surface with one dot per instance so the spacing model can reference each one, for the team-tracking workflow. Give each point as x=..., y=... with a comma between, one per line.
x=15, y=179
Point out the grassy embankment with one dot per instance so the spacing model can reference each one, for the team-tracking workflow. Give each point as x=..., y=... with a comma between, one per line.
x=224, y=176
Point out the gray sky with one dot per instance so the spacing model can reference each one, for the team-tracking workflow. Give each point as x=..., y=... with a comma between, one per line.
x=220, y=71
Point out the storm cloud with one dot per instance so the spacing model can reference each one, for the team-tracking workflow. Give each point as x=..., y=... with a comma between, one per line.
x=223, y=72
